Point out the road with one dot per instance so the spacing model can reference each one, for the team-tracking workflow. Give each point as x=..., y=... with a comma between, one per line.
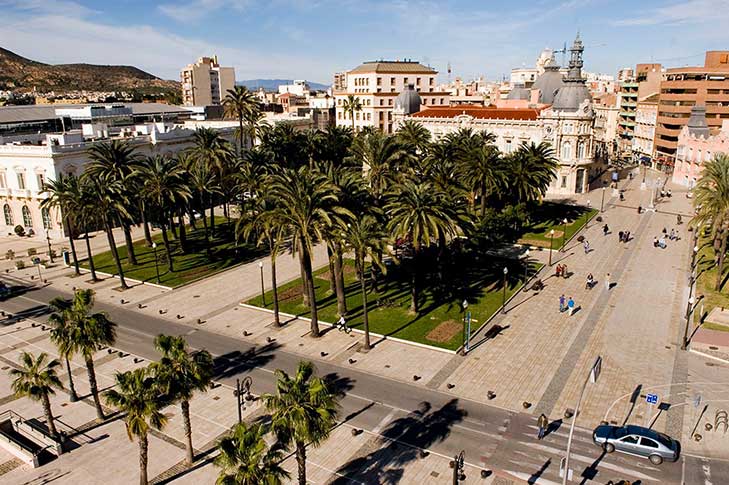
x=418, y=418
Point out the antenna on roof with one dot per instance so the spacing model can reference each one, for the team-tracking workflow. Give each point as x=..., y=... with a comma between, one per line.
x=449, y=72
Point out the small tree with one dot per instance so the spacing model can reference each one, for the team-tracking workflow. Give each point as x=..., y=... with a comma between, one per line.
x=37, y=379
x=245, y=459
x=19, y=230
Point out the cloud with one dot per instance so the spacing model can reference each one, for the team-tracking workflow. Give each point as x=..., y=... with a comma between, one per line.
x=686, y=12
x=47, y=7
x=197, y=9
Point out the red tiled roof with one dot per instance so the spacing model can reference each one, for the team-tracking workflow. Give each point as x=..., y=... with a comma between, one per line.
x=479, y=112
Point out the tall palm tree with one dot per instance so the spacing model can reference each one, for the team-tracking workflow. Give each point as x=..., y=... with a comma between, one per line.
x=61, y=334
x=87, y=216
x=180, y=374
x=91, y=332
x=61, y=196
x=303, y=410
x=212, y=150
x=711, y=199
x=255, y=120
x=366, y=239
x=350, y=106
x=164, y=190
x=531, y=169
x=37, y=379
x=413, y=136
x=420, y=214
x=378, y=155
x=136, y=395
x=238, y=103
x=309, y=203
x=204, y=183
x=246, y=459
x=114, y=162
x=483, y=172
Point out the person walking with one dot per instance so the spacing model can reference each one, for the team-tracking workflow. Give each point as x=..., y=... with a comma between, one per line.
x=561, y=303
x=570, y=306
x=607, y=281
x=590, y=282
x=542, y=423
x=586, y=245
x=564, y=271
x=605, y=230
x=620, y=236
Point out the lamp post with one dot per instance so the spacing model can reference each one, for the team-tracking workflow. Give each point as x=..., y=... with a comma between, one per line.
x=156, y=263
x=458, y=462
x=242, y=393
x=263, y=294
x=689, y=308
x=526, y=268
x=50, y=250
x=602, y=201
x=551, y=240
x=564, y=234
x=503, y=295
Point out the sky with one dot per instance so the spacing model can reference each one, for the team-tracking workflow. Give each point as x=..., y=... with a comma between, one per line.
x=313, y=39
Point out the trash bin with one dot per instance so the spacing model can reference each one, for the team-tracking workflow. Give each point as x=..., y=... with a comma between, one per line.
x=66, y=258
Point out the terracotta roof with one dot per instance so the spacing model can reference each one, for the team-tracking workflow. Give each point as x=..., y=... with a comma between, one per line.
x=479, y=112
x=394, y=67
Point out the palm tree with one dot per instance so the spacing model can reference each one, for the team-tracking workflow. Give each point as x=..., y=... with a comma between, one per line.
x=61, y=193
x=87, y=216
x=204, y=183
x=379, y=155
x=91, y=332
x=37, y=380
x=137, y=396
x=413, y=136
x=245, y=459
x=114, y=162
x=483, y=172
x=531, y=169
x=164, y=189
x=303, y=410
x=711, y=199
x=365, y=238
x=212, y=150
x=239, y=102
x=180, y=374
x=351, y=105
x=61, y=335
x=420, y=214
x=309, y=203
x=255, y=121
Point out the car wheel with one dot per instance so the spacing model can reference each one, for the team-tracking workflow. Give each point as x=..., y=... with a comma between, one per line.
x=655, y=459
x=608, y=447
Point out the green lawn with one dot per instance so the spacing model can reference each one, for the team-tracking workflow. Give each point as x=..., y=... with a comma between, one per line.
x=188, y=267
x=480, y=283
x=550, y=215
x=707, y=272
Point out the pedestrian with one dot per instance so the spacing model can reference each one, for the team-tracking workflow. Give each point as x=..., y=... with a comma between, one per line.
x=558, y=271
x=590, y=282
x=655, y=241
x=565, y=274
x=665, y=231
x=669, y=193
x=586, y=245
x=570, y=306
x=627, y=236
x=543, y=423
x=607, y=281
x=640, y=209
x=561, y=303
x=620, y=236
x=662, y=243
x=588, y=203
x=672, y=235
x=605, y=230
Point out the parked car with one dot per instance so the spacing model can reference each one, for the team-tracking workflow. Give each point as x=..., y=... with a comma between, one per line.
x=637, y=441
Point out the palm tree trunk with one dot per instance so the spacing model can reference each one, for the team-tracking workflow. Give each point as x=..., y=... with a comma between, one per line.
x=363, y=283
x=183, y=233
x=309, y=277
x=301, y=461
x=332, y=276
x=143, y=450
x=93, y=386
x=166, y=242
x=73, y=246
x=212, y=214
x=185, y=405
x=414, y=283
x=276, y=317
x=115, y=253
x=73, y=397
x=173, y=228
x=191, y=214
x=205, y=228
x=720, y=265
x=240, y=135
x=92, y=266
x=483, y=202
x=339, y=280
x=49, y=416
x=145, y=225
x=131, y=257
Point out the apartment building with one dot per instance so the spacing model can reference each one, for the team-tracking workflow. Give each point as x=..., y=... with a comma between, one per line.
x=377, y=83
x=205, y=82
x=645, y=82
x=645, y=128
x=681, y=89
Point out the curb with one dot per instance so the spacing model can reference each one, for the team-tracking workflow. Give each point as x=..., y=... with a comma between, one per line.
x=372, y=334
x=155, y=285
x=708, y=356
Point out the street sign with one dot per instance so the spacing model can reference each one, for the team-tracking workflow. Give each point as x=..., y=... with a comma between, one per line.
x=562, y=463
x=36, y=260
x=651, y=398
x=596, y=369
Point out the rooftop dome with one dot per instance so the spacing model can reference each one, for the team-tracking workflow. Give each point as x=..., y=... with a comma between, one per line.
x=408, y=101
x=697, y=122
x=574, y=91
x=549, y=82
x=519, y=91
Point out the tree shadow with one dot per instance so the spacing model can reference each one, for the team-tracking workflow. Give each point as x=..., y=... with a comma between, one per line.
x=591, y=471
x=338, y=384
x=401, y=443
x=236, y=362
x=32, y=312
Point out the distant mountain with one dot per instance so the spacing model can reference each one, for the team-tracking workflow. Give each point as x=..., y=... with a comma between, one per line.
x=273, y=84
x=17, y=72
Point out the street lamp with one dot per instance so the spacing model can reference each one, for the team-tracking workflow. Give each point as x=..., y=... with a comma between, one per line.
x=602, y=201
x=526, y=268
x=503, y=297
x=242, y=393
x=156, y=263
x=50, y=250
x=263, y=294
x=551, y=241
x=564, y=234
x=458, y=462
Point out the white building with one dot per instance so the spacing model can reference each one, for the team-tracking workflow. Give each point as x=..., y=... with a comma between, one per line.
x=205, y=83
x=300, y=88
x=376, y=84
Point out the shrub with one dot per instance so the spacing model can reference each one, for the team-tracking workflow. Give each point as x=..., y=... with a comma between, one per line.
x=19, y=230
x=20, y=264
x=10, y=254
x=32, y=252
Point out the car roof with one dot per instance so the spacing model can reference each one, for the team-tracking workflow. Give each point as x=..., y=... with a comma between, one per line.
x=649, y=433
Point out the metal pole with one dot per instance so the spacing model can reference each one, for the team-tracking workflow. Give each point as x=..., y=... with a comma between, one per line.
x=237, y=395
x=156, y=264
x=40, y=276
x=602, y=201
x=551, y=239
x=572, y=430
x=50, y=250
x=263, y=294
x=564, y=235
x=503, y=295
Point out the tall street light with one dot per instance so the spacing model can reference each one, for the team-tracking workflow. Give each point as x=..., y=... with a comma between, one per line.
x=50, y=250
x=263, y=294
x=526, y=269
x=602, y=201
x=503, y=297
x=156, y=263
x=551, y=241
x=564, y=234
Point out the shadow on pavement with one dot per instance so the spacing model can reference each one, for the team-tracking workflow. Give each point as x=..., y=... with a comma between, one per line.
x=235, y=362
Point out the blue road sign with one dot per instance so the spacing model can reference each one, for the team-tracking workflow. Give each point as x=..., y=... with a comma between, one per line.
x=651, y=398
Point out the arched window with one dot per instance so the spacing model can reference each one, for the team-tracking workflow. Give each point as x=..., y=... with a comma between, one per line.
x=8, y=215
x=581, y=150
x=27, y=219
x=46, y=215
x=566, y=151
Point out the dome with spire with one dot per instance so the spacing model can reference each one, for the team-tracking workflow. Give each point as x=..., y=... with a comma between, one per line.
x=549, y=82
x=697, y=125
x=408, y=101
x=575, y=91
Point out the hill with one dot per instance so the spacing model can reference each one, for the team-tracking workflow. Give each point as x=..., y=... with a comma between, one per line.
x=273, y=84
x=19, y=73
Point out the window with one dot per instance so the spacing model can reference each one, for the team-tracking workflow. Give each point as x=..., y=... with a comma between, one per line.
x=564, y=181
x=41, y=181
x=392, y=81
x=379, y=81
x=369, y=116
x=405, y=81
x=648, y=442
x=357, y=116
x=389, y=102
x=508, y=146
x=432, y=81
x=46, y=215
x=566, y=151
x=3, y=181
x=417, y=81
x=21, y=181
x=8, y=215
x=581, y=150
x=631, y=440
x=27, y=219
